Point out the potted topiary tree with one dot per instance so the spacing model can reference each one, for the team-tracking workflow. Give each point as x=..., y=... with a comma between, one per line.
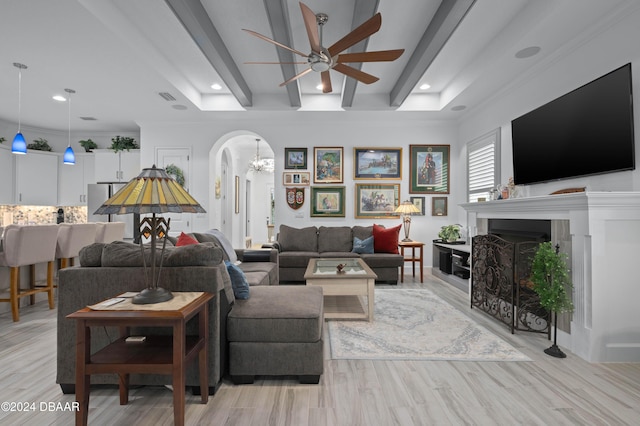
x=550, y=277
x=88, y=145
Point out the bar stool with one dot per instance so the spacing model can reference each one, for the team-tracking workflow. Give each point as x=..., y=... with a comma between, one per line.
x=28, y=245
x=109, y=231
x=71, y=238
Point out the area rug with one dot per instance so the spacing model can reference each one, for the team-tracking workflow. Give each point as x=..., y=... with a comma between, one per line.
x=413, y=324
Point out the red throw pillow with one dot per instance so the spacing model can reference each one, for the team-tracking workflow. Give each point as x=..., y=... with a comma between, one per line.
x=385, y=240
x=185, y=240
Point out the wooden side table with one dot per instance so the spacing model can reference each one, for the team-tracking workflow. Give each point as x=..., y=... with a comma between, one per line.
x=413, y=259
x=166, y=355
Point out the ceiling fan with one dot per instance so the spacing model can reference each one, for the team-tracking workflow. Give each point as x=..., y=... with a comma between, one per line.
x=323, y=59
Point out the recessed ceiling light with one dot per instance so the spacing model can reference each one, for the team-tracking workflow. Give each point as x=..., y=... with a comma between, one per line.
x=216, y=86
x=319, y=87
x=459, y=108
x=59, y=98
x=527, y=52
x=425, y=86
x=179, y=107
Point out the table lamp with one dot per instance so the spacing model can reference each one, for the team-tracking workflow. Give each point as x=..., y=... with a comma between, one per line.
x=406, y=209
x=153, y=191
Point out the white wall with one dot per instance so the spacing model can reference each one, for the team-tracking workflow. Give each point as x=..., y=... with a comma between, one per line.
x=311, y=129
x=558, y=74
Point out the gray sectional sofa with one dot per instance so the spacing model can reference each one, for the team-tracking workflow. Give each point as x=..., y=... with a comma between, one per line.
x=107, y=270
x=297, y=245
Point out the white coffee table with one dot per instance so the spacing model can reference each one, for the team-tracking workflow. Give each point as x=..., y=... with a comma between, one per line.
x=344, y=292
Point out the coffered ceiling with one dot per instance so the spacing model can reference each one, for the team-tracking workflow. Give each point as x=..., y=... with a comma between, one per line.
x=152, y=60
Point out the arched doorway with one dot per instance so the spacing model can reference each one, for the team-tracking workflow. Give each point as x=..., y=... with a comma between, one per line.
x=242, y=206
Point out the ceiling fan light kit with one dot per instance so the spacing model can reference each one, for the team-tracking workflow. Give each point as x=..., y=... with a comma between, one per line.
x=323, y=59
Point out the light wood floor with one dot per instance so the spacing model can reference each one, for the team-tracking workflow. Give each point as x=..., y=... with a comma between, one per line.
x=351, y=392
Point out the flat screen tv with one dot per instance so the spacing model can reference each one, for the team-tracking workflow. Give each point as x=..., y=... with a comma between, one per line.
x=587, y=131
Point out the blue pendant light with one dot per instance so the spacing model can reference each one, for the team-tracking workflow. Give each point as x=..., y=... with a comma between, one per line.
x=19, y=145
x=69, y=156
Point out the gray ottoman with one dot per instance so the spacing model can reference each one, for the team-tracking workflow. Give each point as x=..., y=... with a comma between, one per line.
x=277, y=332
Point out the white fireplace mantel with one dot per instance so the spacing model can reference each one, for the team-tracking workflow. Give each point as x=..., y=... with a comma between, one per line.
x=605, y=243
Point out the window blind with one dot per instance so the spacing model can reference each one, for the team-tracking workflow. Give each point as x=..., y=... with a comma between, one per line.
x=483, y=166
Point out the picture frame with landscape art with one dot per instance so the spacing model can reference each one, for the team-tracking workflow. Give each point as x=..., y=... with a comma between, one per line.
x=328, y=164
x=377, y=201
x=377, y=163
x=327, y=201
x=439, y=206
x=419, y=203
x=296, y=178
x=295, y=158
x=429, y=169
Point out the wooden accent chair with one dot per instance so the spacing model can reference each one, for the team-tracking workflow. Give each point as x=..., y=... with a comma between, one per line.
x=28, y=245
x=71, y=238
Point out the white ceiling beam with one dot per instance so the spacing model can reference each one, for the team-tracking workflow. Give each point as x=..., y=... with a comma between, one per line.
x=363, y=10
x=281, y=32
x=195, y=20
x=446, y=20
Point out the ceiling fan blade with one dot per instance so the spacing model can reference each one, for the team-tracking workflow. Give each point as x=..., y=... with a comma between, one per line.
x=326, y=82
x=295, y=77
x=274, y=63
x=369, y=27
x=361, y=76
x=312, y=28
x=377, y=56
x=265, y=38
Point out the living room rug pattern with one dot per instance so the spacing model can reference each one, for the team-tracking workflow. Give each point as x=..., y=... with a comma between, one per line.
x=412, y=324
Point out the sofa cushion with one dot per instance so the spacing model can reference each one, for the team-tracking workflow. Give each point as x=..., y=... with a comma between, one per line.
x=362, y=232
x=385, y=240
x=334, y=238
x=363, y=246
x=238, y=281
x=123, y=254
x=296, y=259
x=255, y=278
x=294, y=239
x=283, y=313
x=265, y=268
x=382, y=260
x=339, y=254
x=91, y=255
x=185, y=240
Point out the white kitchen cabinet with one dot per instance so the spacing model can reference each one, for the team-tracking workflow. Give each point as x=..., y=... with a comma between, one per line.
x=121, y=166
x=6, y=174
x=73, y=180
x=36, y=180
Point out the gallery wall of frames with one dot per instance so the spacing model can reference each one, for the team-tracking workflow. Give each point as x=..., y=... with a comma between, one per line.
x=377, y=177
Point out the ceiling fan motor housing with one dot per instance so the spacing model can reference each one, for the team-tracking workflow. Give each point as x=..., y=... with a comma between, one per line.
x=320, y=62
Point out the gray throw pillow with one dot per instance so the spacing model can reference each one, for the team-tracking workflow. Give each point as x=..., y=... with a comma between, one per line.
x=91, y=255
x=204, y=254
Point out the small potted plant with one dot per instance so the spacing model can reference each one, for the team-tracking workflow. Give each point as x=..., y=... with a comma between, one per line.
x=39, y=144
x=88, y=145
x=120, y=143
x=450, y=233
x=550, y=277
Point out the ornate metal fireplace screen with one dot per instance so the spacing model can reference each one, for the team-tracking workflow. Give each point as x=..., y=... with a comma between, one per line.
x=500, y=284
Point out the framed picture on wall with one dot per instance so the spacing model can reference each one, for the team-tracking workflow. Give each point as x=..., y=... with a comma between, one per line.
x=419, y=203
x=296, y=178
x=328, y=164
x=439, y=206
x=429, y=169
x=295, y=158
x=327, y=201
x=377, y=163
x=377, y=201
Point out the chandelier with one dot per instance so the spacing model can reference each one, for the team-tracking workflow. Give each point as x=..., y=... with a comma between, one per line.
x=260, y=165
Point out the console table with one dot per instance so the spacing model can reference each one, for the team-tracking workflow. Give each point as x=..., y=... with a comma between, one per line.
x=166, y=355
x=451, y=264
